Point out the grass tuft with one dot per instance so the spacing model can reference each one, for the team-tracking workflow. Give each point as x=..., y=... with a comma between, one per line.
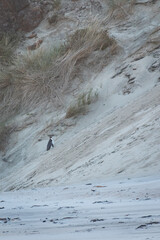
x=5, y=132
x=80, y=106
x=42, y=59
x=8, y=44
x=56, y=4
x=120, y=8
x=80, y=46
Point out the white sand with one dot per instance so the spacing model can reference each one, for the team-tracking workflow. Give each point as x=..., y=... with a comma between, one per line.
x=127, y=209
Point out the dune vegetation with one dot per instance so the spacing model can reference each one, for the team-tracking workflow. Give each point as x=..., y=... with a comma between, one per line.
x=43, y=75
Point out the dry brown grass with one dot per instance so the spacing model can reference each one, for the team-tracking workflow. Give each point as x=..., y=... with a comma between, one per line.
x=5, y=132
x=42, y=77
x=8, y=44
x=120, y=8
x=80, y=45
x=56, y=4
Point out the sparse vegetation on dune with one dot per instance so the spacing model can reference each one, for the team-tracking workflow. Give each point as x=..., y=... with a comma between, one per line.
x=56, y=3
x=42, y=59
x=5, y=132
x=81, y=44
x=120, y=8
x=41, y=76
x=79, y=107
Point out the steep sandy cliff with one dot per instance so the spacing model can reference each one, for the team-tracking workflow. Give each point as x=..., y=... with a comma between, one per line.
x=118, y=136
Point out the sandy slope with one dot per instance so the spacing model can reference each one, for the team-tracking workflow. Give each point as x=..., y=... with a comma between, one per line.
x=120, y=134
x=114, y=149
x=119, y=137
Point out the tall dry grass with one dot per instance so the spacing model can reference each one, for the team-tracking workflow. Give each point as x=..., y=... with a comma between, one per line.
x=5, y=132
x=56, y=4
x=80, y=45
x=8, y=44
x=120, y=8
x=42, y=76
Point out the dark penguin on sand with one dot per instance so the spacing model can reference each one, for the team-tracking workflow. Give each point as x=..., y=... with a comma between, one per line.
x=50, y=143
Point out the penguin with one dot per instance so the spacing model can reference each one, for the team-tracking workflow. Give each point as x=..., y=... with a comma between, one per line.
x=50, y=143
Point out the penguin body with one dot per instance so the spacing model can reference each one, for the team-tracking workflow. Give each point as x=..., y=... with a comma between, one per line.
x=50, y=144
